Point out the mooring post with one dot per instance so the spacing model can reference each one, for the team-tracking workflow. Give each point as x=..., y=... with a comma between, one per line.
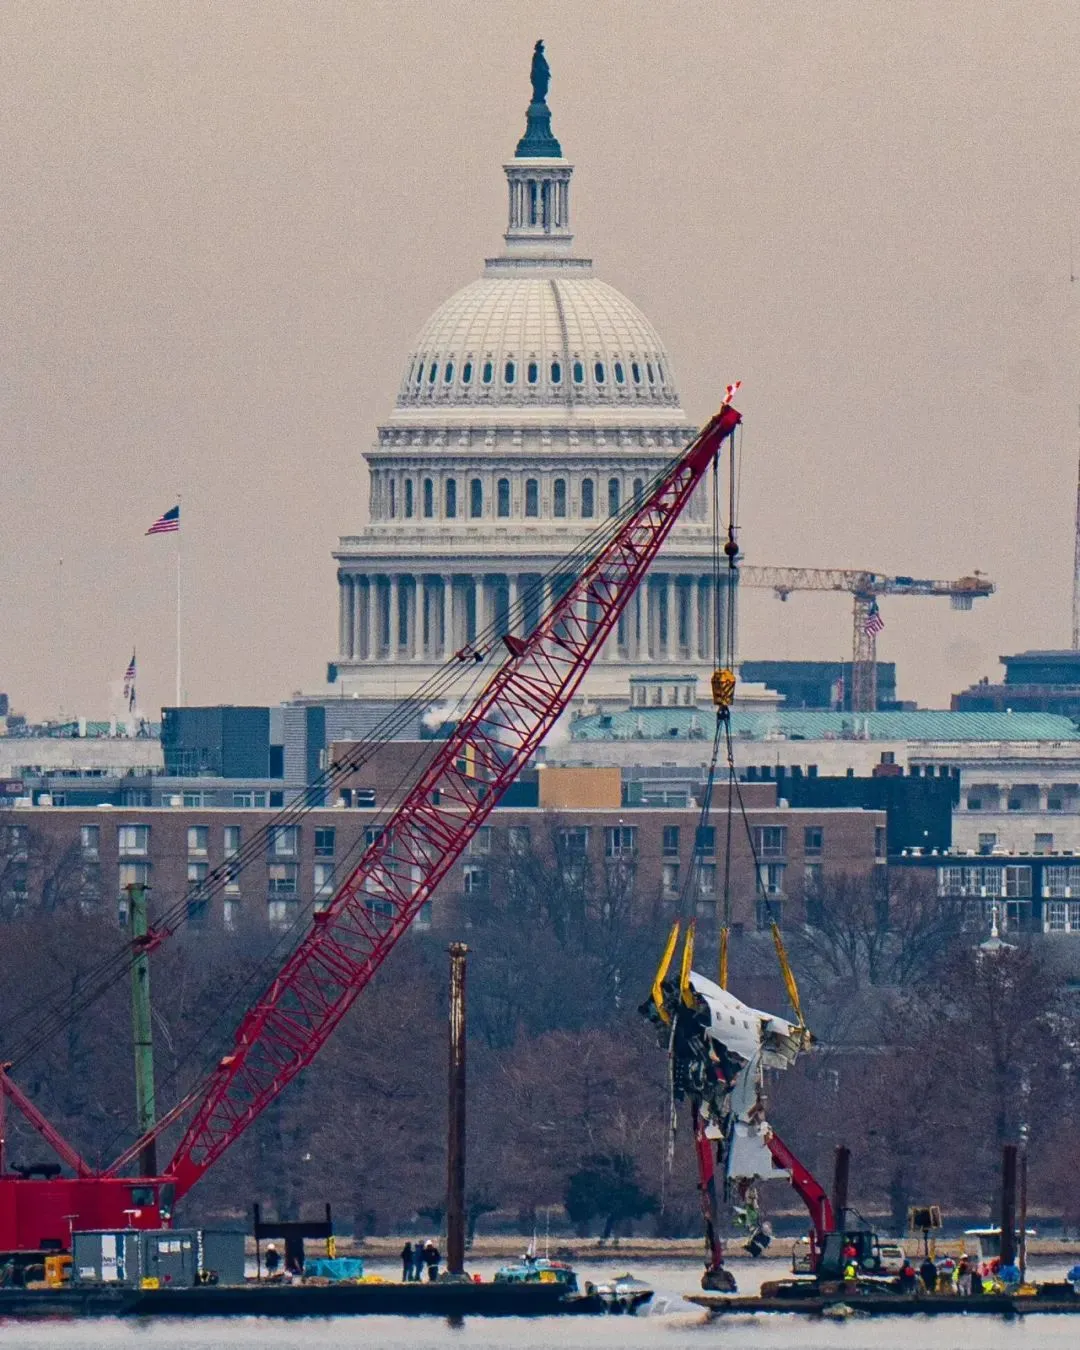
x=455, y=1141
x=146, y=1107
x=1008, y=1205
x=841, y=1174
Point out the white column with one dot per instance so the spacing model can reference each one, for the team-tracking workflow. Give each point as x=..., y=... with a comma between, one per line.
x=371, y=619
x=343, y=593
x=447, y=634
x=413, y=600
x=395, y=626
x=672, y=651
x=514, y=599
x=692, y=621
x=357, y=616
x=709, y=602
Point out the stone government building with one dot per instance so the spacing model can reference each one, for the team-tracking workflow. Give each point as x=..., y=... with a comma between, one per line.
x=534, y=403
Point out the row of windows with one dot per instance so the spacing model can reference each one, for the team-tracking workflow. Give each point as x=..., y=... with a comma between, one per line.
x=475, y=500
x=429, y=373
x=133, y=841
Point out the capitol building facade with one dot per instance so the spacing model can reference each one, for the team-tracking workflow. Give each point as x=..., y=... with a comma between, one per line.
x=535, y=402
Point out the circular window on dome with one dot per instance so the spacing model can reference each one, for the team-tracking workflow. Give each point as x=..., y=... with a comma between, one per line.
x=509, y=372
x=448, y=373
x=635, y=372
x=660, y=372
x=419, y=370
x=579, y=372
x=433, y=372
x=620, y=374
x=598, y=371
x=488, y=373
x=533, y=373
x=466, y=373
x=556, y=373
x=649, y=371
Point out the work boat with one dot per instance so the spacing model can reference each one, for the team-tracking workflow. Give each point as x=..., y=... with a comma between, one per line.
x=623, y=1294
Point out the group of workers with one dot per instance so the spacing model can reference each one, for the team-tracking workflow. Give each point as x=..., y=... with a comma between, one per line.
x=963, y=1277
x=415, y=1257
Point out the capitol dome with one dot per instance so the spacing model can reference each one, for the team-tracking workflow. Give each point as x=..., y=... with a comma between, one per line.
x=534, y=404
x=548, y=339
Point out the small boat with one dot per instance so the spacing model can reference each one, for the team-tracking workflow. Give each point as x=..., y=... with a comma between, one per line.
x=532, y=1269
x=623, y=1294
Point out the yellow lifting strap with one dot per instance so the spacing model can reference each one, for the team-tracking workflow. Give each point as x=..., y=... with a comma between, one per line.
x=686, y=993
x=788, y=974
x=723, y=689
x=723, y=957
x=661, y=974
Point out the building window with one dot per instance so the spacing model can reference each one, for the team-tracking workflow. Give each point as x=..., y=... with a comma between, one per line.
x=249, y=799
x=429, y=499
x=649, y=371
x=669, y=879
x=466, y=373
x=324, y=884
x=770, y=841
x=476, y=498
x=974, y=803
x=598, y=371
x=532, y=374
x=671, y=841
x=480, y=843
x=579, y=372
x=620, y=374
x=90, y=841
x=588, y=498
x=772, y=877
x=488, y=373
x=813, y=841
x=324, y=841
x=281, y=878
x=130, y=874
x=880, y=841
x=768, y=912
x=433, y=372
x=373, y=834
x=1015, y=804
x=284, y=841
x=660, y=372
x=517, y=840
x=635, y=372
x=987, y=843
x=705, y=841
x=198, y=840
x=420, y=370
x=408, y=498
x=558, y=498
x=474, y=879
x=812, y=878
x=1052, y=803
x=509, y=372
x=706, y=875
x=639, y=491
x=1044, y=843
x=448, y=373
x=620, y=841
x=532, y=497
x=613, y=497
x=1017, y=882
x=198, y=906
x=502, y=495
x=133, y=840
x=556, y=373
x=281, y=912
x=573, y=841
x=451, y=498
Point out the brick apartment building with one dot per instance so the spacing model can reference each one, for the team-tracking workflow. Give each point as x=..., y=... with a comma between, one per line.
x=576, y=817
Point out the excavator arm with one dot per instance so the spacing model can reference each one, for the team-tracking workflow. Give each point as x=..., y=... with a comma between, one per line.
x=809, y=1190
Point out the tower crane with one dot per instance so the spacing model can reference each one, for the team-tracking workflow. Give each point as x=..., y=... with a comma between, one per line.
x=346, y=943
x=865, y=587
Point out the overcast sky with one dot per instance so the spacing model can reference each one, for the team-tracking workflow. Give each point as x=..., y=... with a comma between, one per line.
x=223, y=223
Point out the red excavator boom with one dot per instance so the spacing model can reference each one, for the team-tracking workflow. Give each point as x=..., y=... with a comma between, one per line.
x=419, y=843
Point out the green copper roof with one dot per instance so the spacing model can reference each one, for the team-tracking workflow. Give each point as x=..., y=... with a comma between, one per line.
x=797, y=724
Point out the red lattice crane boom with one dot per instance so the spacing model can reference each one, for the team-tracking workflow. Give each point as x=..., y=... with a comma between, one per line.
x=421, y=840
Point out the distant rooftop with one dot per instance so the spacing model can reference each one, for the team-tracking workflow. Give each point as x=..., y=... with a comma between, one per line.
x=676, y=723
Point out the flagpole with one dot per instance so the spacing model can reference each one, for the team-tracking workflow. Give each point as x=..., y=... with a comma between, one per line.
x=179, y=532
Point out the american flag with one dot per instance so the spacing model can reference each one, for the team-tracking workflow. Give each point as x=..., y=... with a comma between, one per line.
x=129, y=683
x=874, y=623
x=166, y=524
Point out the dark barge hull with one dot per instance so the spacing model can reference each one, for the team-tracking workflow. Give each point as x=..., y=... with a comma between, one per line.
x=282, y=1300
x=891, y=1305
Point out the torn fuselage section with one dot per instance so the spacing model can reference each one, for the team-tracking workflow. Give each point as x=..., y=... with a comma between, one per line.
x=719, y=1048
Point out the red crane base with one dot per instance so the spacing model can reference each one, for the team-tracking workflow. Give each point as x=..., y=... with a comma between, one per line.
x=38, y=1214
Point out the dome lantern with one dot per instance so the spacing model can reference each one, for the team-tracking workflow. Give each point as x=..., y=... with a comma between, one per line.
x=538, y=178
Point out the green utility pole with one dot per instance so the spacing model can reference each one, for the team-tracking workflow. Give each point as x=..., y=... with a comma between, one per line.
x=146, y=1107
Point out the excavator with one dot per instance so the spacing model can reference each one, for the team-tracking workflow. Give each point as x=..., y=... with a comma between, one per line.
x=719, y=1049
x=526, y=681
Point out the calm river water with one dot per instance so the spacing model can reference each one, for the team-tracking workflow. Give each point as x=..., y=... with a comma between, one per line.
x=671, y=1325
